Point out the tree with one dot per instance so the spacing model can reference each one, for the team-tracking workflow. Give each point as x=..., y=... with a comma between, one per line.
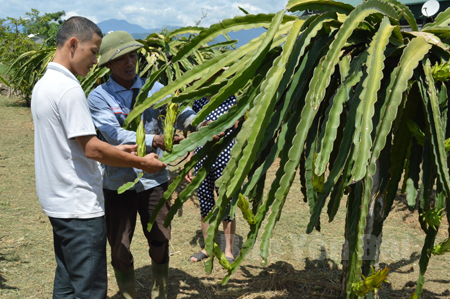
x=331, y=96
x=46, y=26
x=14, y=33
x=12, y=40
x=26, y=59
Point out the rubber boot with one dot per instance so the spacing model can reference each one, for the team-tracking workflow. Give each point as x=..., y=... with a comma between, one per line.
x=160, y=278
x=127, y=283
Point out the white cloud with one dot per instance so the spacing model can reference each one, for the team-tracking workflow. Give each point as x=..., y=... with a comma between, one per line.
x=251, y=9
x=129, y=9
x=70, y=14
x=146, y=13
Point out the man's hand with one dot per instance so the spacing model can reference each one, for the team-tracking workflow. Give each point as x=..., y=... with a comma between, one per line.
x=158, y=141
x=151, y=164
x=190, y=176
x=118, y=156
x=132, y=149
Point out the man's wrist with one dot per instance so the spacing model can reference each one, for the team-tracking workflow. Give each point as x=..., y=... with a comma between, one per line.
x=158, y=141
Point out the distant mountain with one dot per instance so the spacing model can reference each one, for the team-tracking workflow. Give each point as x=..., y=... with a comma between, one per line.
x=138, y=32
x=143, y=35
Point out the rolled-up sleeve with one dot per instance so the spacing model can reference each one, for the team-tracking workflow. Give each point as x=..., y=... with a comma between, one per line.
x=184, y=120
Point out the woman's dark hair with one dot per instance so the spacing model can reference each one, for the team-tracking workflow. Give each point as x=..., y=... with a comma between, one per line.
x=78, y=27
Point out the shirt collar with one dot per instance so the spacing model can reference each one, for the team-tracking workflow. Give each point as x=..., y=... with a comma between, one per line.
x=137, y=84
x=62, y=69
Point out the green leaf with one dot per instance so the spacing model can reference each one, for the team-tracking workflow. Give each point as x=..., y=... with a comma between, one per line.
x=185, y=30
x=204, y=71
x=336, y=107
x=129, y=185
x=199, y=93
x=4, y=81
x=243, y=10
x=399, y=152
x=438, y=139
x=88, y=82
x=241, y=78
x=180, y=177
x=147, y=87
x=292, y=94
x=310, y=151
x=257, y=121
x=320, y=5
x=412, y=54
x=235, y=24
x=407, y=13
x=201, y=175
x=371, y=86
x=220, y=45
x=224, y=122
x=322, y=74
x=424, y=259
x=345, y=149
x=288, y=171
x=442, y=19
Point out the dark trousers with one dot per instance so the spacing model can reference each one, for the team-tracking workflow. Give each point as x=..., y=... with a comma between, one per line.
x=121, y=213
x=80, y=252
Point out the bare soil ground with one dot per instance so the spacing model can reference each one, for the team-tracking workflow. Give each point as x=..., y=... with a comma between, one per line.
x=299, y=266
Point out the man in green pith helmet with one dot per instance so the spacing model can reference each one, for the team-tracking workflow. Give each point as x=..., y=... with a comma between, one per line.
x=110, y=104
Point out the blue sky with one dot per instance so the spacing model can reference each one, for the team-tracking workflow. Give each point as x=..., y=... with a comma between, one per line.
x=146, y=13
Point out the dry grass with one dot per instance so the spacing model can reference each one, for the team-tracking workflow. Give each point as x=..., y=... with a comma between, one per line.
x=299, y=266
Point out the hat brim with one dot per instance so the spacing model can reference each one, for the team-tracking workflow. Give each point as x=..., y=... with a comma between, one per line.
x=114, y=54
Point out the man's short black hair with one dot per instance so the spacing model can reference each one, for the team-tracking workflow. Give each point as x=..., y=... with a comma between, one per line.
x=78, y=27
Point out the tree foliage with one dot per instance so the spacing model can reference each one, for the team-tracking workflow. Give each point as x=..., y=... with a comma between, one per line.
x=329, y=97
x=14, y=33
x=26, y=59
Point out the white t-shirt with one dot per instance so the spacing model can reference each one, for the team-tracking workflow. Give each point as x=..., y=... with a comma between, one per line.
x=68, y=184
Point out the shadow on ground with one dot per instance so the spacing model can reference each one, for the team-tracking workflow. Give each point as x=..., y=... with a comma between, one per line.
x=3, y=281
x=280, y=277
x=320, y=278
x=410, y=286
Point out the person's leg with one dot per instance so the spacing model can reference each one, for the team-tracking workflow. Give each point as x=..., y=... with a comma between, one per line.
x=202, y=253
x=205, y=194
x=229, y=230
x=158, y=238
x=82, y=253
x=229, y=226
x=120, y=215
x=62, y=287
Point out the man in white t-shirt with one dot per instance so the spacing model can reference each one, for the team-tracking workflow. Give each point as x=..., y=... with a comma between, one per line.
x=67, y=152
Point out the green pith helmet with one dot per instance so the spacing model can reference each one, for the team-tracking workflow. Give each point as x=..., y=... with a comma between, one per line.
x=116, y=44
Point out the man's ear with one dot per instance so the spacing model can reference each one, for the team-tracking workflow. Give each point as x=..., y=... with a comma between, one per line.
x=73, y=44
